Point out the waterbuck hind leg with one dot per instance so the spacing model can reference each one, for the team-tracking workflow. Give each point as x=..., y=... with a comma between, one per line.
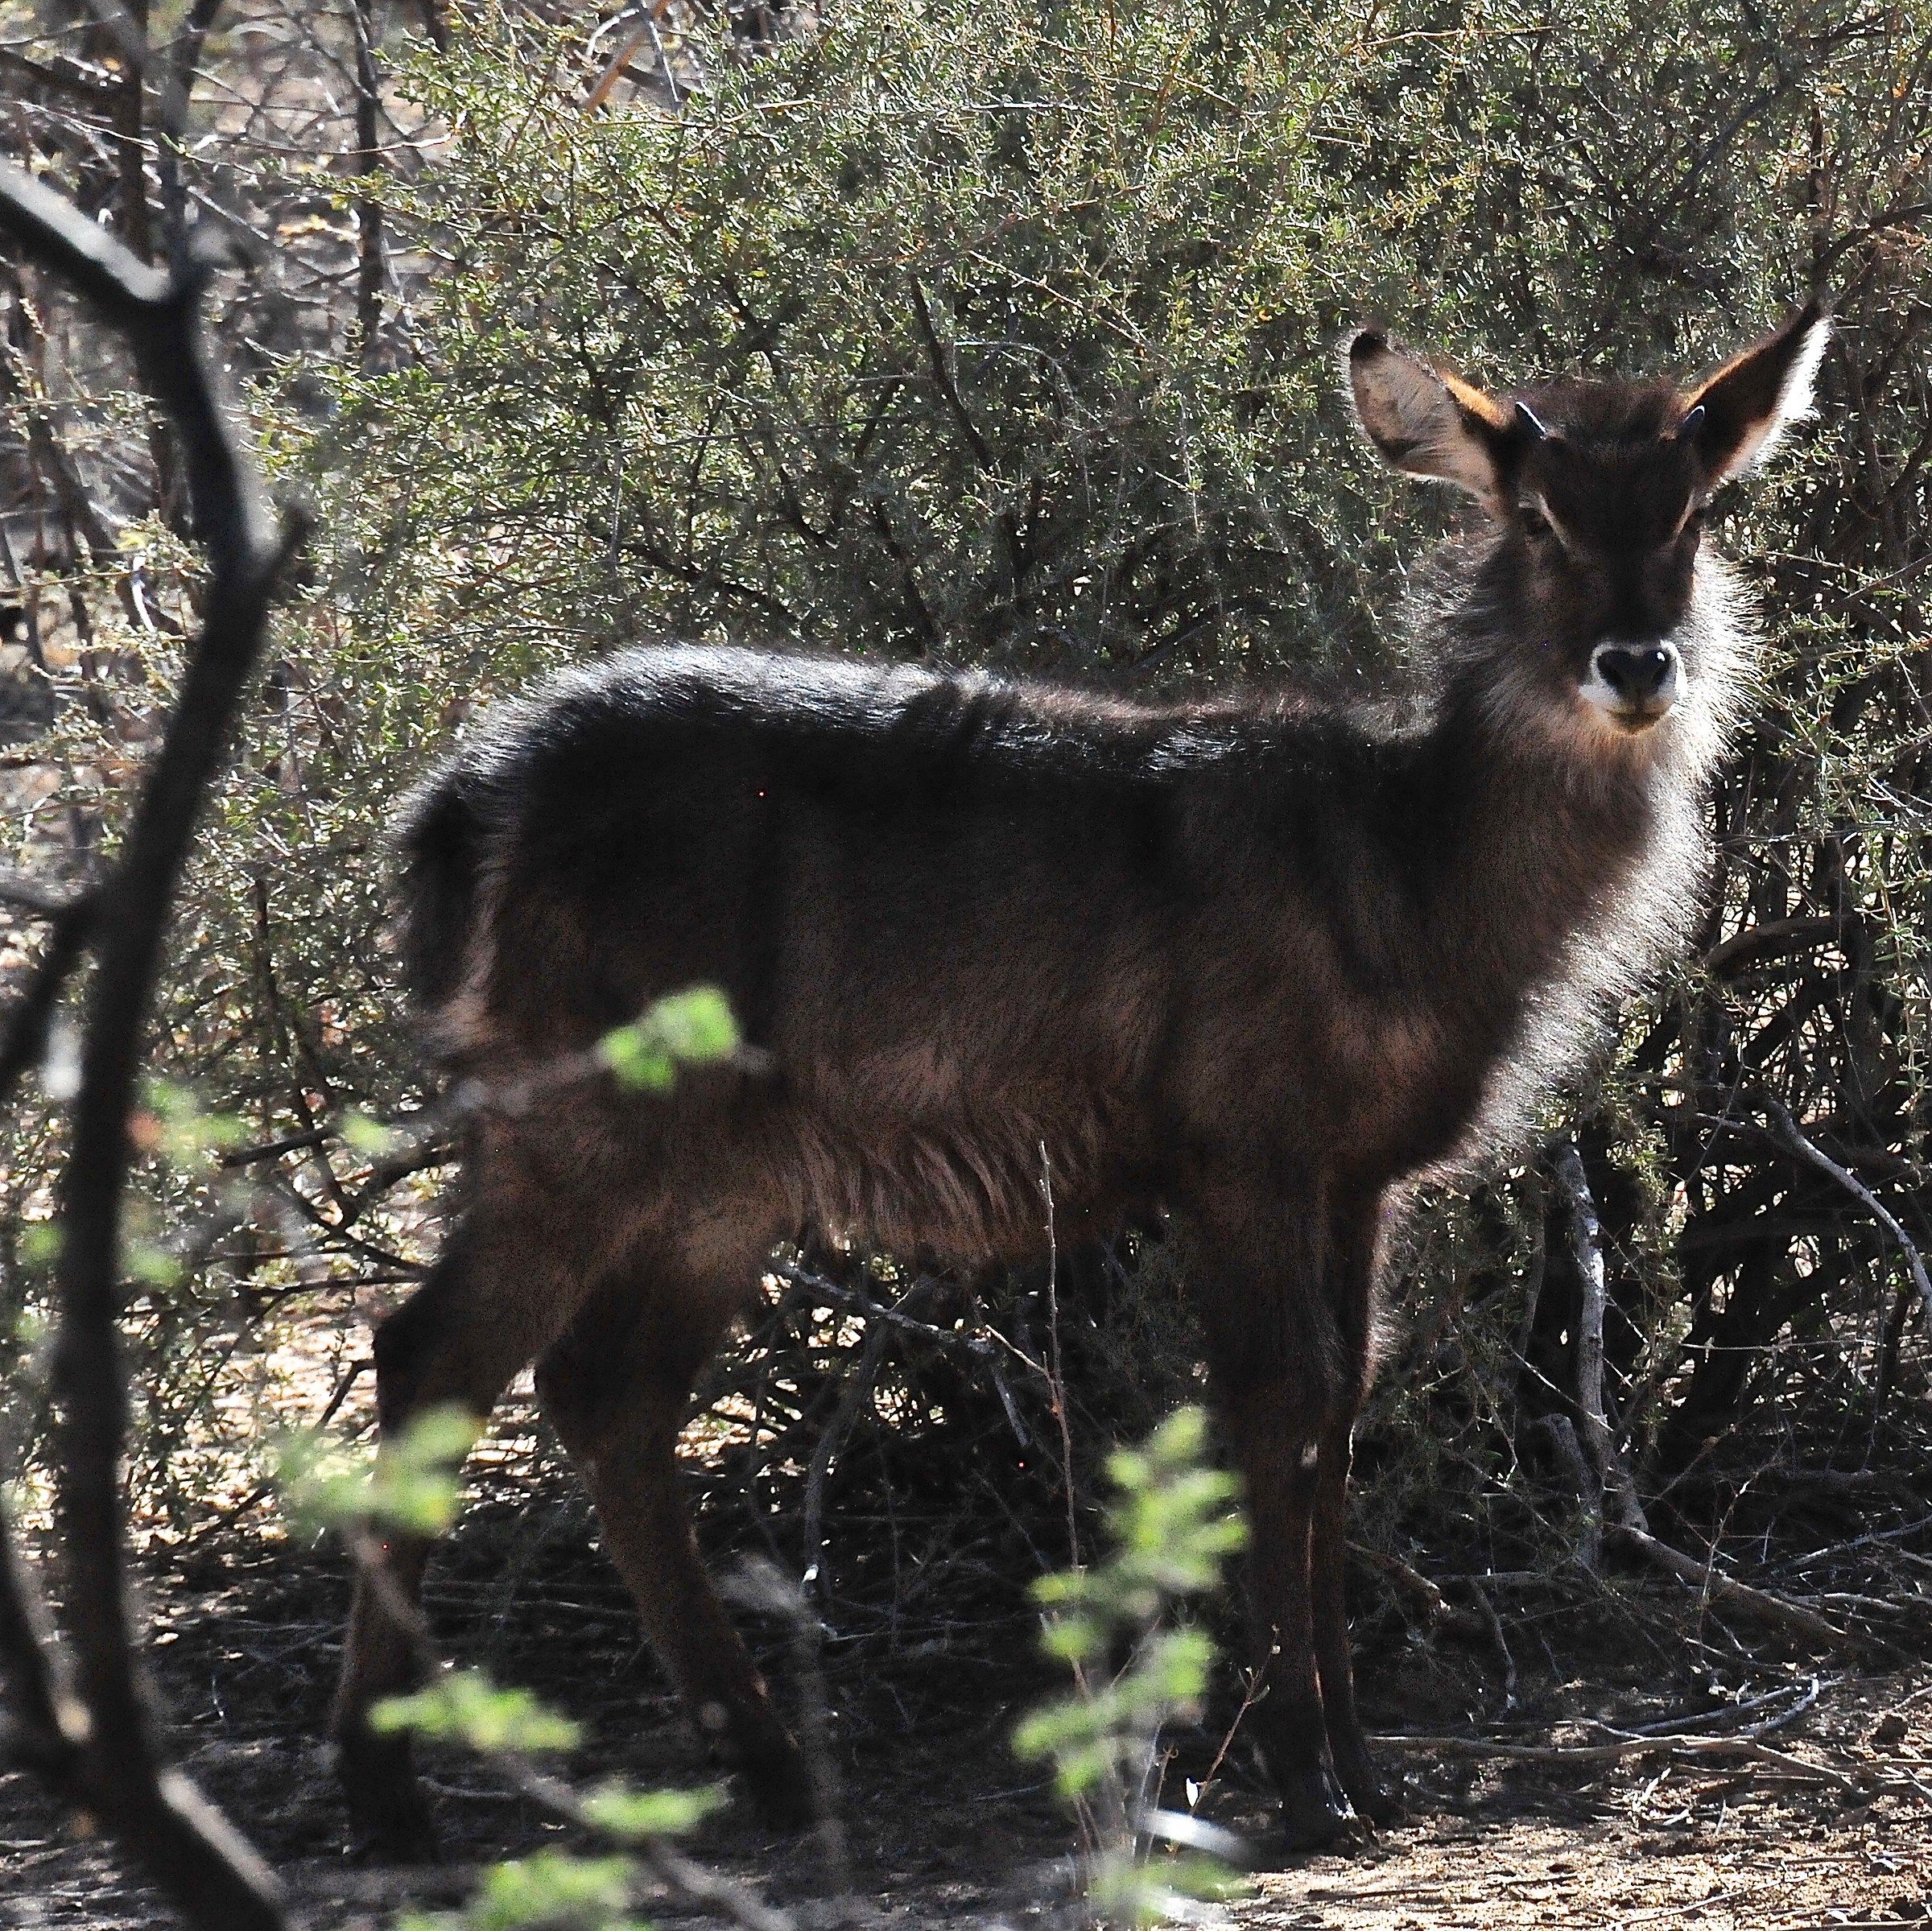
x=481, y=1314
x=617, y=1387
x=1374, y=1801
x=388, y=1820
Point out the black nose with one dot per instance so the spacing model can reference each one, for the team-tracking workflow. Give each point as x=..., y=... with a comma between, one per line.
x=1636, y=672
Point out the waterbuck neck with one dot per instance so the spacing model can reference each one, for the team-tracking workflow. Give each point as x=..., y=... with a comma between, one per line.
x=1563, y=856
x=1539, y=853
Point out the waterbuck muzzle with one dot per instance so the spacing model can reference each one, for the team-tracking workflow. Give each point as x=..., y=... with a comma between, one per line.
x=1634, y=685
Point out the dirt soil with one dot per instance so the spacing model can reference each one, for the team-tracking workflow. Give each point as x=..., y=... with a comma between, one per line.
x=1829, y=1824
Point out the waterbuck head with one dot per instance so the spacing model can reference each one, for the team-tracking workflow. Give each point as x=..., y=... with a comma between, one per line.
x=1595, y=617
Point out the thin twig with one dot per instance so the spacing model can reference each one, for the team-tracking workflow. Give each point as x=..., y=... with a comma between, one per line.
x=30, y=1019
x=1794, y=1137
x=691, y=1883
x=1613, y=1489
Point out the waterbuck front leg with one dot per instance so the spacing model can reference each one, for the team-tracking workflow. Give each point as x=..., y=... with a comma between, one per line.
x=1348, y=1266
x=617, y=1388
x=1377, y=1802
x=1276, y=1370
x=1276, y=1452
x=1285, y=1297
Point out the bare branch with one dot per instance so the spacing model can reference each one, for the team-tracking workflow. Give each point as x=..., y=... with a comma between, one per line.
x=40, y=901
x=212, y=1875
x=1793, y=1138
x=29, y=1020
x=1759, y=1603
x=1611, y=1488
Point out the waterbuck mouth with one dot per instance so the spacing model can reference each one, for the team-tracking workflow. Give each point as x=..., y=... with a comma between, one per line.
x=1634, y=685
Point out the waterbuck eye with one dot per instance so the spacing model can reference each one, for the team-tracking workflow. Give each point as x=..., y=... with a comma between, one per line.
x=1532, y=520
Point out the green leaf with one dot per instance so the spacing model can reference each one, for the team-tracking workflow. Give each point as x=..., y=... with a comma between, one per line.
x=691, y=1027
x=152, y=1265
x=1168, y=1531
x=634, y=1815
x=555, y=1890
x=41, y=1242
x=697, y=1024
x=368, y=1138
x=465, y=1704
x=412, y=1484
x=179, y=1129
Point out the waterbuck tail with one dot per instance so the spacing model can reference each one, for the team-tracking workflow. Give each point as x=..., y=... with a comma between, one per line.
x=439, y=847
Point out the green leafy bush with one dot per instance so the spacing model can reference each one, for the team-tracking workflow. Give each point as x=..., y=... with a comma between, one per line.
x=1005, y=333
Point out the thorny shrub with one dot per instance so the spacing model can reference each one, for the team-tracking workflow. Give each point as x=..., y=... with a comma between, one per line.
x=1004, y=334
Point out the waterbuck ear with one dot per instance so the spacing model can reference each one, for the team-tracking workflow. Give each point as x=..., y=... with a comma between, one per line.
x=1427, y=420
x=1737, y=417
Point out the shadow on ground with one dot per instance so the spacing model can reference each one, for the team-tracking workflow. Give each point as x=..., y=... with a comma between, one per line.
x=1827, y=1821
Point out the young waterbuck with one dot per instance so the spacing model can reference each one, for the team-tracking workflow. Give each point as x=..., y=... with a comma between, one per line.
x=1261, y=964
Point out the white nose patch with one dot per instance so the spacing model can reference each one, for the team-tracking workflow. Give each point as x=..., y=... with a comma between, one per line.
x=1629, y=683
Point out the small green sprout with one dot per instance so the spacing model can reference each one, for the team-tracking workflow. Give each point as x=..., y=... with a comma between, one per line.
x=636, y=1816
x=151, y=1264
x=370, y=1138
x=174, y=1124
x=411, y=1485
x=465, y=1705
x=690, y=1027
x=1171, y=1526
x=41, y=1242
x=552, y=1890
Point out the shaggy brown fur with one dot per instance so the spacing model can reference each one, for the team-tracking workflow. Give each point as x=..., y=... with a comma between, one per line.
x=1261, y=964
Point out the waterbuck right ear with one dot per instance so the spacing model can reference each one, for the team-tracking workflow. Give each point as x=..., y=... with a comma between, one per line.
x=1427, y=420
x=1739, y=414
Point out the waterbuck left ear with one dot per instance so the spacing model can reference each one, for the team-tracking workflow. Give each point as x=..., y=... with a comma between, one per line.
x=1737, y=417
x=1426, y=419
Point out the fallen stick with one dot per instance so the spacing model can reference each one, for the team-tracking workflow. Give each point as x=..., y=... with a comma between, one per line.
x=1778, y=1611
x=1620, y=1747
x=1437, y=1606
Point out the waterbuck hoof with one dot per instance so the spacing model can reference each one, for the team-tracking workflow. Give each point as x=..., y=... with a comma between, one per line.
x=1380, y=1804
x=1312, y=1818
x=1376, y=1803
x=395, y=1831
x=389, y=1820
x=781, y=1790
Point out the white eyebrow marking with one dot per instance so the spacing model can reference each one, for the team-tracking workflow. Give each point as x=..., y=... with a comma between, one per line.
x=1538, y=501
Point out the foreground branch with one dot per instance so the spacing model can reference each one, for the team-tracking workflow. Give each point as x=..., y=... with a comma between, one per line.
x=23, y=1036
x=102, y=1750
x=689, y=1882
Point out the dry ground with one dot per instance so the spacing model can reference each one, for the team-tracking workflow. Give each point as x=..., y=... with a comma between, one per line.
x=947, y=1829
